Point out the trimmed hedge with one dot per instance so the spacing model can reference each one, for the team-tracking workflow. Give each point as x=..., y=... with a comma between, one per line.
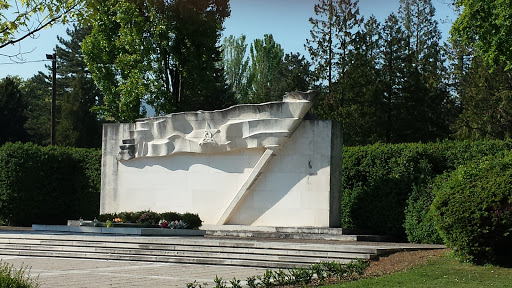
x=419, y=222
x=378, y=181
x=473, y=210
x=149, y=217
x=48, y=185
x=192, y=220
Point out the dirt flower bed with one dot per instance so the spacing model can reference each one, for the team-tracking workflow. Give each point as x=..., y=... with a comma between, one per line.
x=401, y=261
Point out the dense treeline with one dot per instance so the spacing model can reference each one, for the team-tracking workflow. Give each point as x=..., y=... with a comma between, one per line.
x=26, y=104
x=390, y=81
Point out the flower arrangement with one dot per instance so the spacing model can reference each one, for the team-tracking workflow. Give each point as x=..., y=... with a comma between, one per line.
x=163, y=224
x=173, y=224
x=148, y=217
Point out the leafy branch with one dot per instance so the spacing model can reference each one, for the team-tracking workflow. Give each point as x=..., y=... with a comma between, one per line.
x=9, y=28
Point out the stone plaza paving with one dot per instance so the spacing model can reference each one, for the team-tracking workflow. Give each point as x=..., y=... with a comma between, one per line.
x=43, y=253
x=82, y=273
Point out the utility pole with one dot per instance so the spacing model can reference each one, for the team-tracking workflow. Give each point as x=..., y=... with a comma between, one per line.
x=53, y=57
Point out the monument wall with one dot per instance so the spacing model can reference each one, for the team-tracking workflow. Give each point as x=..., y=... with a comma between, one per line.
x=266, y=174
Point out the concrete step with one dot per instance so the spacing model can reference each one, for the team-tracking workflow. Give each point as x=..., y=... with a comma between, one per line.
x=127, y=248
x=143, y=258
x=82, y=239
x=303, y=233
x=234, y=231
x=305, y=230
x=182, y=249
x=177, y=256
x=297, y=236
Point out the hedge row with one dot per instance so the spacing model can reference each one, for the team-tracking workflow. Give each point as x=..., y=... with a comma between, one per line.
x=383, y=181
x=48, y=185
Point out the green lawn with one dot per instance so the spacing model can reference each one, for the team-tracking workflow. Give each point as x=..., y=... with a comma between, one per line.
x=441, y=272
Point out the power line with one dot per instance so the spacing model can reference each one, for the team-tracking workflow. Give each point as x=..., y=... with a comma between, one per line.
x=24, y=62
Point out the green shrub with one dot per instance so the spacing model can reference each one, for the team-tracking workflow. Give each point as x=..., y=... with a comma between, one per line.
x=48, y=185
x=130, y=217
x=148, y=217
x=193, y=221
x=473, y=210
x=170, y=216
x=107, y=216
x=13, y=278
x=419, y=222
x=326, y=273
x=378, y=180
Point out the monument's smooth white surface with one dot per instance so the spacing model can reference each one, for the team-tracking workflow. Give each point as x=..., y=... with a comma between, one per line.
x=260, y=165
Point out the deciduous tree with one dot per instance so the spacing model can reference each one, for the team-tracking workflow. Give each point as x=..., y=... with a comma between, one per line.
x=164, y=53
x=266, y=68
x=21, y=19
x=236, y=65
x=486, y=25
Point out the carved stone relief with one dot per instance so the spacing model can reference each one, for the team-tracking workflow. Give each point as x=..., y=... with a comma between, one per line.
x=242, y=126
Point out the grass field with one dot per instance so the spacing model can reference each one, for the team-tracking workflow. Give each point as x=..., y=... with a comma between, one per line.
x=441, y=272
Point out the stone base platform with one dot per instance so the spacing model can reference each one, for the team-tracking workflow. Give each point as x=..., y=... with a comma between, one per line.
x=297, y=233
x=250, y=252
x=119, y=230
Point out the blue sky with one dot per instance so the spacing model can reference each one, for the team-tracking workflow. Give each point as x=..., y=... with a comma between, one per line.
x=287, y=20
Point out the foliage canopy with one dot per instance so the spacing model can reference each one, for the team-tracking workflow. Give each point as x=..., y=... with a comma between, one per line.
x=20, y=19
x=486, y=24
x=161, y=53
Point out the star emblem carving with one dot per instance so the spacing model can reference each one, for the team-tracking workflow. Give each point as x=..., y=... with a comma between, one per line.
x=208, y=134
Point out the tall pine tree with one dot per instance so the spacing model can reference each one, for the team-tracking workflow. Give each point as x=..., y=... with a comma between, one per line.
x=393, y=72
x=37, y=93
x=332, y=37
x=421, y=115
x=362, y=112
x=12, y=111
x=78, y=125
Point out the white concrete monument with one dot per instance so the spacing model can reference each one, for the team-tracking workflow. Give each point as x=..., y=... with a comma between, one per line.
x=260, y=165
